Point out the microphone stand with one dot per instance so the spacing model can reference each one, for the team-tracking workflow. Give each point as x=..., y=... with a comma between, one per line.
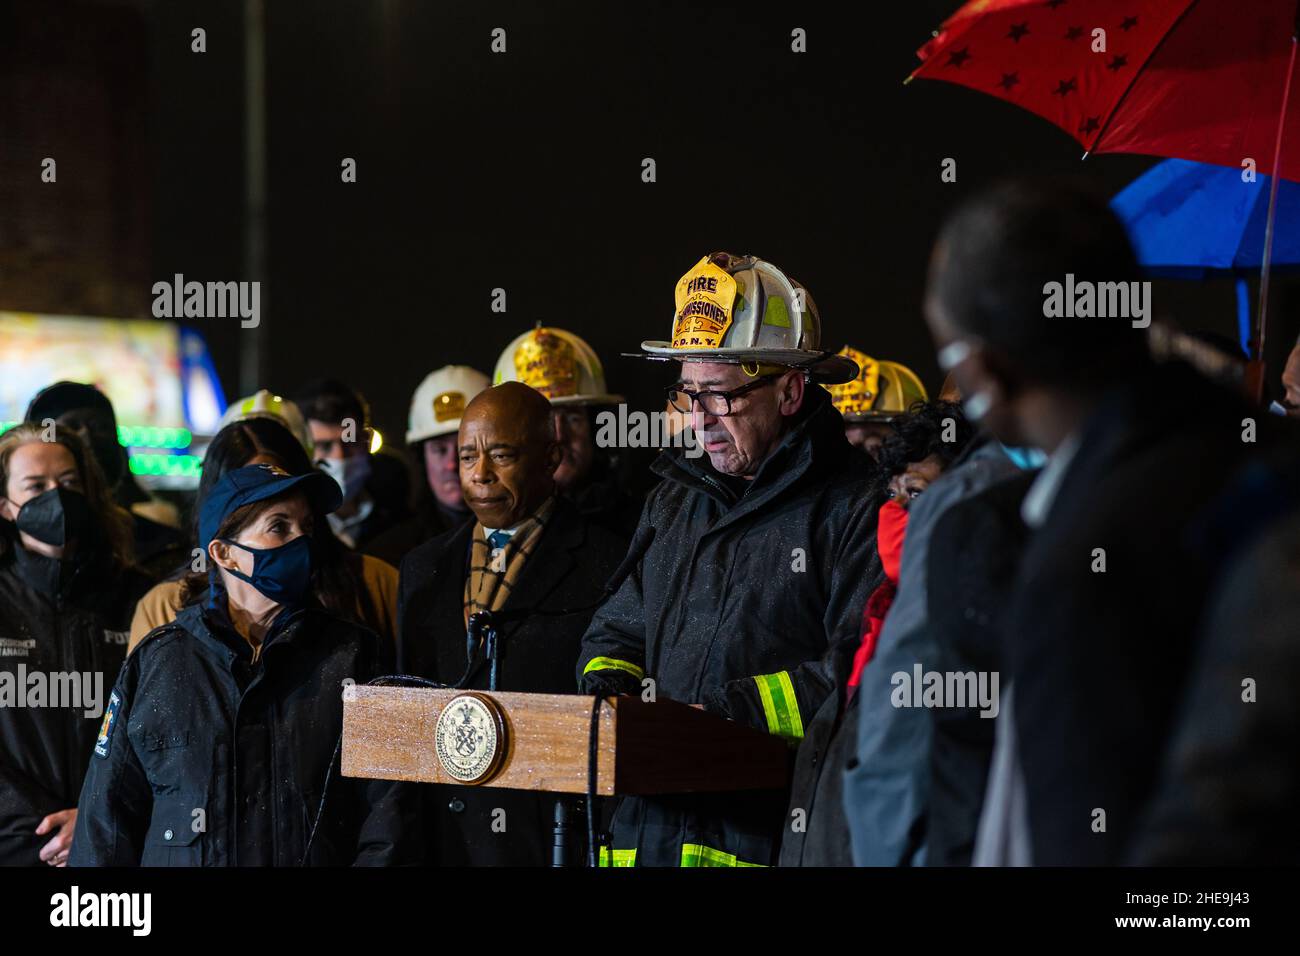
x=481, y=635
x=481, y=632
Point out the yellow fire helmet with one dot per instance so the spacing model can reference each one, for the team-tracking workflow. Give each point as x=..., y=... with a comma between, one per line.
x=265, y=404
x=440, y=399
x=855, y=399
x=743, y=310
x=558, y=364
x=882, y=390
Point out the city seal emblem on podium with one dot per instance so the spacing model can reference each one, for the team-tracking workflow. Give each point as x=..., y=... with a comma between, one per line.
x=470, y=738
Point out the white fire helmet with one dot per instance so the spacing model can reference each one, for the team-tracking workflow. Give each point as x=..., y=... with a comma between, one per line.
x=743, y=310
x=440, y=400
x=265, y=404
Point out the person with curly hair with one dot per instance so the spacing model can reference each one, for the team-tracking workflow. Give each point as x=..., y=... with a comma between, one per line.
x=924, y=442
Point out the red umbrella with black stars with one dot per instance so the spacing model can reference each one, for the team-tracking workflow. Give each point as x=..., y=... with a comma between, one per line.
x=1206, y=80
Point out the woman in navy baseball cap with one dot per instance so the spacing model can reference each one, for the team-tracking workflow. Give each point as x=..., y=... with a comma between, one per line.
x=217, y=745
x=256, y=526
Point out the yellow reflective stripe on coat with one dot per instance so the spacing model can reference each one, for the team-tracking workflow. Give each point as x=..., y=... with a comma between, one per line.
x=696, y=854
x=613, y=663
x=621, y=857
x=779, y=705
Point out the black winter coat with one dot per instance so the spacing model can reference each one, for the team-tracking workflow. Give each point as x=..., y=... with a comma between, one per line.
x=1099, y=660
x=570, y=565
x=427, y=522
x=829, y=743
x=817, y=793
x=603, y=501
x=56, y=618
x=974, y=553
x=209, y=758
x=1231, y=781
x=748, y=605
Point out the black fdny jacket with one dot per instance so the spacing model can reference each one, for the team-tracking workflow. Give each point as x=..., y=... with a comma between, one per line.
x=745, y=605
x=210, y=758
x=63, y=627
x=570, y=564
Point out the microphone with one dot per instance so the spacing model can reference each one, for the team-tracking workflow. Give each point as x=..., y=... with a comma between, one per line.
x=635, y=552
x=488, y=621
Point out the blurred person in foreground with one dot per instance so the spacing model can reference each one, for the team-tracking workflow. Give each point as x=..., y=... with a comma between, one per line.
x=1290, y=401
x=923, y=444
x=974, y=554
x=1229, y=781
x=886, y=776
x=1101, y=626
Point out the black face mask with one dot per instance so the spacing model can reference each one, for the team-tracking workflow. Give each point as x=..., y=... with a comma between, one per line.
x=55, y=517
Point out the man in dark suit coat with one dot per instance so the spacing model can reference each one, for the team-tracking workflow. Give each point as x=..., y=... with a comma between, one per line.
x=974, y=552
x=1230, y=782
x=508, y=456
x=1101, y=627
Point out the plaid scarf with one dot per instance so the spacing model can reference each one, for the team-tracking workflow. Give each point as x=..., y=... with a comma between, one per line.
x=490, y=582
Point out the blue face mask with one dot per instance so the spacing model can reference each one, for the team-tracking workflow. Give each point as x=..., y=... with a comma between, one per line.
x=1026, y=458
x=282, y=574
x=351, y=473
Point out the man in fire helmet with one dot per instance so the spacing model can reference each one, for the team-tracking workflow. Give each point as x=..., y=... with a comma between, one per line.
x=751, y=584
x=431, y=431
x=881, y=392
x=564, y=368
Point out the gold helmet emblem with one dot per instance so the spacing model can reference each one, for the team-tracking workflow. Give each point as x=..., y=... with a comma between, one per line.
x=705, y=296
x=448, y=406
x=858, y=396
x=547, y=362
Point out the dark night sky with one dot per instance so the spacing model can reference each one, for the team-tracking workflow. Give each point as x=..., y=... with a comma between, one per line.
x=522, y=171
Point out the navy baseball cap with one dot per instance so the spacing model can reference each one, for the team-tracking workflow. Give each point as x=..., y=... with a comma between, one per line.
x=243, y=486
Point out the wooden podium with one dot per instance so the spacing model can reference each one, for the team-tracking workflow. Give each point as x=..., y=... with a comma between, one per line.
x=643, y=748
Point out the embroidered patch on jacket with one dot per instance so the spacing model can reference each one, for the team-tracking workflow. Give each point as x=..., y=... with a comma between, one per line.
x=106, y=728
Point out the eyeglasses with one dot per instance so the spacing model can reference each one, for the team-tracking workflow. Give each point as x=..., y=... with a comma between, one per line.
x=717, y=404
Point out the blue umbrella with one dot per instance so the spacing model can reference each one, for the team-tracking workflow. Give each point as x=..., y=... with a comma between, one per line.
x=1192, y=220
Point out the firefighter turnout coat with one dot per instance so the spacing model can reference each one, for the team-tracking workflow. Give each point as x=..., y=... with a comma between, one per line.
x=744, y=604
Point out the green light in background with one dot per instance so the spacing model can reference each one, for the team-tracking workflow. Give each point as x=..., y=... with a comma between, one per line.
x=148, y=436
x=173, y=466
x=140, y=436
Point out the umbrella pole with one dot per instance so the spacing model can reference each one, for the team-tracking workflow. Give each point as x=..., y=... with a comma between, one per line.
x=1266, y=265
x=1243, y=316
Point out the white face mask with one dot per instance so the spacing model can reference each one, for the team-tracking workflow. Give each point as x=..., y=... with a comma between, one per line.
x=977, y=406
x=953, y=354
x=350, y=473
x=950, y=356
